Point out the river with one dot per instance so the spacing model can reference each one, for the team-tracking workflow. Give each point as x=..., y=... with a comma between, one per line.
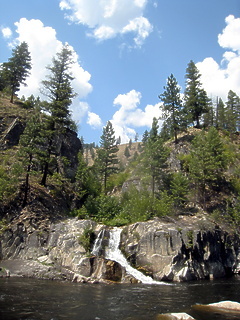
x=32, y=299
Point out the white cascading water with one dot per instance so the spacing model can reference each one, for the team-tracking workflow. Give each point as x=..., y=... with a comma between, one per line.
x=98, y=243
x=114, y=253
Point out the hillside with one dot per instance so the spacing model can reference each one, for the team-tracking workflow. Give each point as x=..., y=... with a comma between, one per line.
x=179, y=188
x=134, y=149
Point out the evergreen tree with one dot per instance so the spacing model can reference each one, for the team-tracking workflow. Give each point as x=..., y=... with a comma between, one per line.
x=232, y=112
x=145, y=137
x=118, y=140
x=153, y=134
x=31, y=148
x=136, y=137
x=17, y=69
x=154, y=157
x=207, y=161
x=126, y=152
x=209, y=118
x=165, y=132
x=86, y=180
x=196, y=100
x=107, y=162
x=130, y=144
x=59, y=90
x=220, y=115
x=60, y=93
x=179, y=189
x=172, y=104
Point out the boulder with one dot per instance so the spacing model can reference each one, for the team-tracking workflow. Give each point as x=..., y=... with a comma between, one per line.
x=174, y=316
x=226, y=307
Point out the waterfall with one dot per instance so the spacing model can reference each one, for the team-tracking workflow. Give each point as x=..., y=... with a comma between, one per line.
x=114, y=253
x=97, y=247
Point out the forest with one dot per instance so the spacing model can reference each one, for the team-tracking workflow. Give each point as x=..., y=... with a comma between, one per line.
x=188, y=166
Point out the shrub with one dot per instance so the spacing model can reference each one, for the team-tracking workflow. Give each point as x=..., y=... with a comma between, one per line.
x=86, y=239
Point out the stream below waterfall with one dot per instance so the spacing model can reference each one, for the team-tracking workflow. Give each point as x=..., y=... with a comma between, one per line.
x=32, y=299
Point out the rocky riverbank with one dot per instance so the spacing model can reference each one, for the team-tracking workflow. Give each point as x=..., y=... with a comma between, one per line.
x=166, y=250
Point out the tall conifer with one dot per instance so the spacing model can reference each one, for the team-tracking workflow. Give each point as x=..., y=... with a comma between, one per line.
x=196, y=100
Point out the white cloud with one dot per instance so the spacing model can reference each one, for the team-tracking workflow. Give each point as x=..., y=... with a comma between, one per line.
x=107, y=18
x=130, y=116
x=230, y=38
x=103, y=33
x=6, y=32
x=141, y=26
x=218, y=79
x=94, y=120
x=43, y=45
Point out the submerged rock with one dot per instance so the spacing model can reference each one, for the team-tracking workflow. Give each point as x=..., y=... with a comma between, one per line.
x=174, y=316
x=228, y=307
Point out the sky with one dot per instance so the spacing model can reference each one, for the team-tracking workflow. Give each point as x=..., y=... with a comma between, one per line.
x=124, y=51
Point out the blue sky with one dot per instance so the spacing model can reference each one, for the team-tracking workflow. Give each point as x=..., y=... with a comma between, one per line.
x=124, y=51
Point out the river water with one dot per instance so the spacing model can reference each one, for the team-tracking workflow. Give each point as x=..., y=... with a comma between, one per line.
x=32, y=299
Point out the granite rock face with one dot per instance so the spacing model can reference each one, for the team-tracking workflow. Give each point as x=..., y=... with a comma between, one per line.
x=165, y=250
x=59, y=252
x=180, y=252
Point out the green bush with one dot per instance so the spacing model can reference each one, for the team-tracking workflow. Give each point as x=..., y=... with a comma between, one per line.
x=86, y=239
x=8, y=184
x=164, y=205
x=117, y=180
x=102, y=208
x=137, y=206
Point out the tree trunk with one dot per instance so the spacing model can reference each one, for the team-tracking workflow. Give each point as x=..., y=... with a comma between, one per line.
x=198, y=122
x=12, y=94
x=45, y=173
x=175, y=135
x=27, y=187
x=26, y=190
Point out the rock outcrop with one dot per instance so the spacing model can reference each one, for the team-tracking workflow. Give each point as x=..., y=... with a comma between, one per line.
x=168, y=251
x=181, y=251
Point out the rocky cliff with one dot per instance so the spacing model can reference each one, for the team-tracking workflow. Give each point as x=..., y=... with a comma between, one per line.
x=165, y=250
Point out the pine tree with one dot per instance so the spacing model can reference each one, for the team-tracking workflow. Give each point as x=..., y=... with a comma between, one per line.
x=232, y=112
x=31, y=150
x=220, y=115
x=126, y=152
x=172, y=104
x=86, y=180
x=196, y=100
x=145, y=137
x=165, y=132
x=107, y=162
x=155, y=156
x=209, y=118
x=179, y=187
x=207, y=162
x=60, y=93
x=17, y=69
x=153, y=134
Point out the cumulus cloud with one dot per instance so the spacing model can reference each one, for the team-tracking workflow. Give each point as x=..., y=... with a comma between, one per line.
x=141, y=26
x=108, y=18
x=43, y=45
x=217, y=78
x=130, y=116
x=6, y=32
x=94, y=120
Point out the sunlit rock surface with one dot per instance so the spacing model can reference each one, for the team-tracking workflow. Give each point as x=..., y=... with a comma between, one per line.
x=165, y=250
x=175, y=316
